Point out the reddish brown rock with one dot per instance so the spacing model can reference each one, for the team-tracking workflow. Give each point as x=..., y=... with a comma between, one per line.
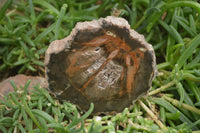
x=20, y=80
x=102, y=61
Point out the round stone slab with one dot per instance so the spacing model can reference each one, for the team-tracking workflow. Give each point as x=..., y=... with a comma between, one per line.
x=102, y=61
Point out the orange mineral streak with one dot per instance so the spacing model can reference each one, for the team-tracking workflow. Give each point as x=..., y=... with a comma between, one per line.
x=98, y=41
x=110, y=57
x=120, y=44
x=72, y=68
x=113, y=42
x=113, y=45
x=122, y=81
x=132, y=69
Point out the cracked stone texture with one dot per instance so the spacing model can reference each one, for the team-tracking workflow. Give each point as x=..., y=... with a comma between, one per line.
x=20, y=80
x=102, y=61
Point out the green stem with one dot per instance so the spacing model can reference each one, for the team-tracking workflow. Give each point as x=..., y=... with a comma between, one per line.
x=173, y=4
x=139, y=22
x=31, y=114
x=152, y=115
x=186, y=106
x=192, y=4
x=163, y=65
x=162, y=88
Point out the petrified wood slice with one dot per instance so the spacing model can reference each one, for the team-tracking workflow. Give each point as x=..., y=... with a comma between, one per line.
x=102, y=61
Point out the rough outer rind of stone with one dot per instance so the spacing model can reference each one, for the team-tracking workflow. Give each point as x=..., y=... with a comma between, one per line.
x=83, y=32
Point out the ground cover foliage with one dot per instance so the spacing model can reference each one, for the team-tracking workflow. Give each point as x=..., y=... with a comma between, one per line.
x=173, y=28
